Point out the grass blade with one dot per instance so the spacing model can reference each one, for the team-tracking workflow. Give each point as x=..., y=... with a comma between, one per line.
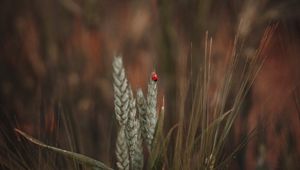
x=82, y=158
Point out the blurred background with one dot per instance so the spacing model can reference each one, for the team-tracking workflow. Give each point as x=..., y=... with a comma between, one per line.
x=55, y=65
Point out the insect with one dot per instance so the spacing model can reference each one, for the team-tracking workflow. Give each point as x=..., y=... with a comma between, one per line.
x=154, y=76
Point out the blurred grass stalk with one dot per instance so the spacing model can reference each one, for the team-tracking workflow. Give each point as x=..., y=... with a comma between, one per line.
x=200, y=136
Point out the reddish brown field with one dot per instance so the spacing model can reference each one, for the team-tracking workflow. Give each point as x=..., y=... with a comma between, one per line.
x=55, y=57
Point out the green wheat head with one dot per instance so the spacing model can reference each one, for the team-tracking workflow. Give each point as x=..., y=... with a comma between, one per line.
x=137, y=119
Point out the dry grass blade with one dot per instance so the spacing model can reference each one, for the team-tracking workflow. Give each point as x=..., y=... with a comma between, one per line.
x=79, y=157
x=159, y=142
x=210, y=122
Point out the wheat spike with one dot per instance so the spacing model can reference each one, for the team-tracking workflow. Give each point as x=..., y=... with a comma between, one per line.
x=122, y=150
x=133, y=135
x=142, y=110
x=138, y=162
x=131, y=128
x=121, y=91
x=151, y=119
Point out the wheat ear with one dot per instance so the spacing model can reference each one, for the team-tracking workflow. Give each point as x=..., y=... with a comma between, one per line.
x=139, y=156
x=122, y=108
x=133, y=135
x=122, y=150
x=151, y=114
x=142, y=110
x=121, y=91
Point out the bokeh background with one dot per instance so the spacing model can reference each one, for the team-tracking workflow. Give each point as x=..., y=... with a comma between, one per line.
x=56, y=55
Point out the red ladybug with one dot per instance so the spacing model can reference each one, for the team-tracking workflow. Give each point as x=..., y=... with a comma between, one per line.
x=154, y=76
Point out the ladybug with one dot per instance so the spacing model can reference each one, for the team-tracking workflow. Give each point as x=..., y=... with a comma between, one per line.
x=154, y=76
